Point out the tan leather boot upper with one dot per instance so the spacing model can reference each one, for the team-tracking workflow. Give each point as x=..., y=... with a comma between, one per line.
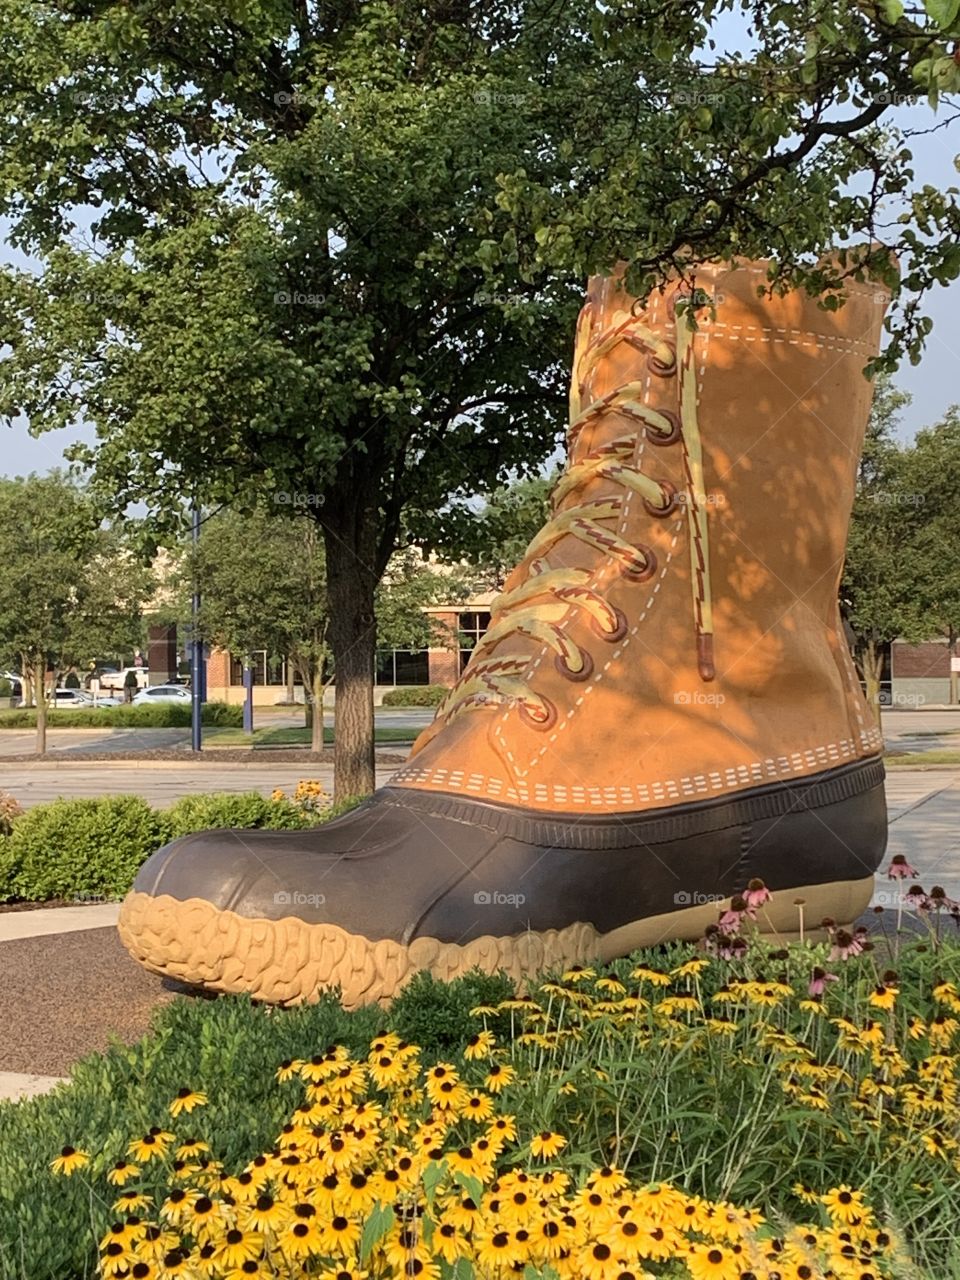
x=673, y=634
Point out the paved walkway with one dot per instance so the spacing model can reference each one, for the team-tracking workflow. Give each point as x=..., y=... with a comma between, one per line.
x=67, y=986
x=160, y=782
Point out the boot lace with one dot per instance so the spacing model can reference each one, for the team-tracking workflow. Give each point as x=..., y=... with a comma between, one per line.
x=537, y=607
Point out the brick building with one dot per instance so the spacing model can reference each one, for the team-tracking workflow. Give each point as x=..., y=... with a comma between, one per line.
x=920, y=673
x=458, y=628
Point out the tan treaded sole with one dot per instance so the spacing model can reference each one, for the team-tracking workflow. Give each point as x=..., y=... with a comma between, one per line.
x=290, y=961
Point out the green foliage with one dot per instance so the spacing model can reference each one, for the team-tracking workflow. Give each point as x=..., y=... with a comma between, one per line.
x=89, y=849
x=69, y=585
x=170, y=716
x=436, y=1015
x=229, y=1048
x=6, y=689
x=247, y=809
x=719, y=1113
x=79, y=848
x=416, y=695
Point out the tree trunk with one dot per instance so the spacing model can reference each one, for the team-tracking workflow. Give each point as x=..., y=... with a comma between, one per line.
x=40, y=684
x=954, y=675
x=351, y=580
x=316, y=727
x=291, y=690
x=872, y=664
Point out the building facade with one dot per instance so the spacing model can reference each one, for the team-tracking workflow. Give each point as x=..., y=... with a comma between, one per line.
x=458, y=628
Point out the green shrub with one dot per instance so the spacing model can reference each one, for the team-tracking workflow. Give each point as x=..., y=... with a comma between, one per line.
x=79, y=848
x=170, y=716
x=6, y=689
x=248, y=809
x=84, y=849
x=419, y=695
x=428, y=1012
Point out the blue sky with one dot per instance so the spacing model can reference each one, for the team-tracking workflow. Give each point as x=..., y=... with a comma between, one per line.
x=934, y=384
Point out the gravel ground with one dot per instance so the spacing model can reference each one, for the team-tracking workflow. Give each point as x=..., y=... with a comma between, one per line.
x=67, y=995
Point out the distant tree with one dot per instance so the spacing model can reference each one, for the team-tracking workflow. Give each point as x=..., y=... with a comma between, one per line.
x=933, y=472
x=885, y=560
x=69, y=587
x=262, y=581
x=492, y=540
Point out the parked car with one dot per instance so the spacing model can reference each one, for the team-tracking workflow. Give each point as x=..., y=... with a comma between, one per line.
x=160, y=693
x=114, y=680
x=80, y=698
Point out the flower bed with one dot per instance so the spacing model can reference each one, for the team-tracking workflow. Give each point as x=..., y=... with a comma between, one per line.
x=752, y=1110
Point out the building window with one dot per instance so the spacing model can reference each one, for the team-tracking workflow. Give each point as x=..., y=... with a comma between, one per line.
x=267, y=669
x=470, y=627
x=402, y=666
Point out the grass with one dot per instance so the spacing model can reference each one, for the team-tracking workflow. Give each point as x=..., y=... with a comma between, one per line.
x=296, y=737
x=943, y=755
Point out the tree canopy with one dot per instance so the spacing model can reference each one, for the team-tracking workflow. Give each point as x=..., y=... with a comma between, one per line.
x=332, y=253
x=69, y=588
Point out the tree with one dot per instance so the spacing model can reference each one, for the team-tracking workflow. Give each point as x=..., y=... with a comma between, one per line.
x=934, y=475
x=69, y=587
x=262, y=582
x=493, y=536
x=885, y=558
x=333, y=252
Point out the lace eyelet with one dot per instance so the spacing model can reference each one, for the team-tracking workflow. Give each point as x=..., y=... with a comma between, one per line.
x=585, y=672
x=660, y=369
x=619, y=631
x=542, y=725
x=673, y=501
x=660, y=438
x=648, y=570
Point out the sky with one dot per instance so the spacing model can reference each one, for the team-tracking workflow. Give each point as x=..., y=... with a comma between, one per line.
x=934, y=384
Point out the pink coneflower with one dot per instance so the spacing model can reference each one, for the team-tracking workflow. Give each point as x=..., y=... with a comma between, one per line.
x=845, y=945
x=731, y=919
x=731, y=948
x=917, y=898
x=818, y=981
x=900, y=869
x=938, y=899
x=756, y=894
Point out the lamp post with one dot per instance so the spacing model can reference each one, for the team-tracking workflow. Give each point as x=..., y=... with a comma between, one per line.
x=196, y=647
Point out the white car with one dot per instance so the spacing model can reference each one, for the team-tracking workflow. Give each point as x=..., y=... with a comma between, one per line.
x=175, y=693
x=79, y=698
x=114, y=680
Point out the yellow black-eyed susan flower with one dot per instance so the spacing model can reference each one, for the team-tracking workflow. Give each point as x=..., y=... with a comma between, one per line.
x=843, y=1204
x=69, y=1161
x=499, y=1075
x=546, y=1145
x=238, y=1247
x=122, y=1172
x=151, y=1146
x=711, y=1262
x=186, y=1100
x=480, y=1045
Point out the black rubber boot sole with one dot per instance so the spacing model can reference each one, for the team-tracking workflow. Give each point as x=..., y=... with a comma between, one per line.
x=414, y=879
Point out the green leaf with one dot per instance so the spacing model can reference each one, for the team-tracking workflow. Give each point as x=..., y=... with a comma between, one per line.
x=472, y=1186
x=433, y=1175
x=942, y=12
x=377, y=1225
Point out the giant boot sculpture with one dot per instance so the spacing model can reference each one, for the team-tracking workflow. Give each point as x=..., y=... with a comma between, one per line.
x=663, y=708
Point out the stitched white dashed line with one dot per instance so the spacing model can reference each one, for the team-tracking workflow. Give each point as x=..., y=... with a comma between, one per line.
x=641, y=794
